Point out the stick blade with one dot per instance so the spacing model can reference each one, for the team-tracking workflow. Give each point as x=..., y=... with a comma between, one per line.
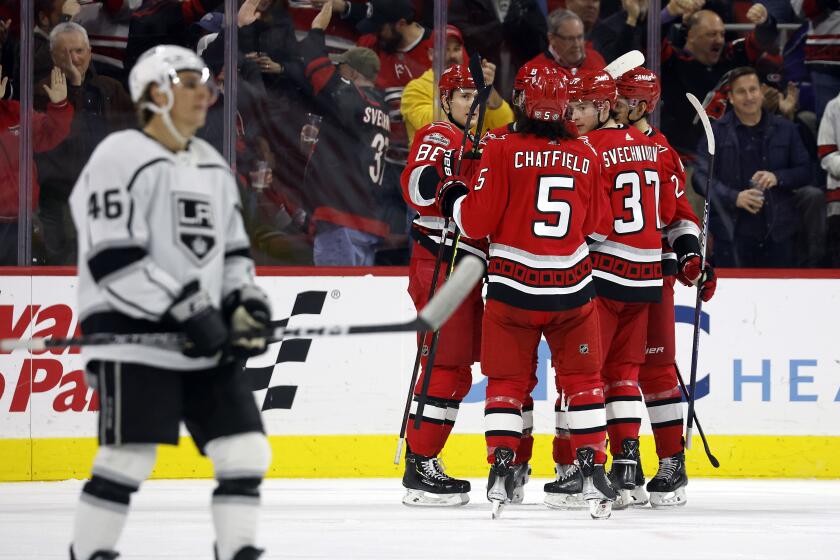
x=476, y=71
x=463, y=279
x=704, y=118
x=625, y=62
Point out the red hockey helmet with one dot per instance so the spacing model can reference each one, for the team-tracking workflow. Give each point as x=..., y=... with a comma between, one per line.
x=546, y=95
x=640, y=84
x=597, y=86
x=455, y=77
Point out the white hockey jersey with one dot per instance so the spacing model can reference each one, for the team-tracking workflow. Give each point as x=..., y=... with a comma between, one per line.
x=150, y=221
x=828, y=140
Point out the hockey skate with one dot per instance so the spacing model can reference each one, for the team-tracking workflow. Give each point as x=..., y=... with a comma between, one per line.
x=98, y=555
x=667, y=488
x=244, y=553
x=500, y=483
x=427, y=484
x=624, y=475
x=597, y=491
x=565, y=492
x=521, y=476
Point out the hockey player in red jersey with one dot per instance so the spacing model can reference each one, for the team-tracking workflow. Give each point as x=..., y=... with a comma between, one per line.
x=433, y=157
x=638, y=94
x=626, y=264
x=537, y=193
x=526, y=443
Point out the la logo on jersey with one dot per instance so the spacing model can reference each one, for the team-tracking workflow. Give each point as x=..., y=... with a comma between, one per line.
x=195, y=225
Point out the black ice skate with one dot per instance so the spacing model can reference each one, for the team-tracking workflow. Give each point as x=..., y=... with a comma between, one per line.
x=624, y=474
x=501, y=481
x=667, y=488
x=521, y=476
x=597, y=490
x=427, y=484
x=98, y=555
x=565, y=492
x=244, y=553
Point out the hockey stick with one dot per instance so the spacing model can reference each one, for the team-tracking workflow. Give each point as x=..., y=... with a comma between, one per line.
x=712, y=459
x=430, y=318
x=698, y=303
x=625, y=62
x=478, y=78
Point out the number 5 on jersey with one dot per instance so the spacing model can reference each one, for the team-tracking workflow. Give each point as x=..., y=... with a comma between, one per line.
x=558, y=227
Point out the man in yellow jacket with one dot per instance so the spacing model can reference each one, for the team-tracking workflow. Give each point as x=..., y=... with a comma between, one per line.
x=418, y=99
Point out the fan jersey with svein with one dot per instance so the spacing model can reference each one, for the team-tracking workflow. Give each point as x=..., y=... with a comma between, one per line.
x=149, y=222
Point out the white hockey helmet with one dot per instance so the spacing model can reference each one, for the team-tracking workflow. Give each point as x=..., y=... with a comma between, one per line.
x=160, y=66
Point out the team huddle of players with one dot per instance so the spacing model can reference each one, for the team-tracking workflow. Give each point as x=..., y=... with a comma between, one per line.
x=579, y=208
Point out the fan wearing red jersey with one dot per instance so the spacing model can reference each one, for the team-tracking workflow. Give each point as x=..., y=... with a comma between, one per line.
x=432, y=159
x=626, y=264
x=638, y=94
x=536, y=195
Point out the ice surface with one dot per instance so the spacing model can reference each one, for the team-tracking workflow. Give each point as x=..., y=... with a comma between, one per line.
x=755, y=519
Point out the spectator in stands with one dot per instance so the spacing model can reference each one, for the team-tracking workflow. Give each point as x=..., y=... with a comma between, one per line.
x=822, y=47
x=48, y=14
x=163, y=22
x=107, y=23
x=699, y=67
x=418, y=101
x=48, y=130
x=781, y=99
x=101, y=106
x=760, y=162
x=402, y=45
x=508, y=34
x=567, y=46
x=588, y=11
x=626, y=29
x=347, y=167
x=828, y=141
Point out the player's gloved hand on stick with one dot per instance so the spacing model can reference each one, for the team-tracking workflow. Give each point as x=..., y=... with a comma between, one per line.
x=248, y=311
x=451, y=190
x=200, y=320
x=708, y=283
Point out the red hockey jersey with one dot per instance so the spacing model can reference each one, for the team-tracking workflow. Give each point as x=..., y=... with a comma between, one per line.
x=628, y=262
x=685, y=220
x=434, y=154
x=537, y=200
x=396, y=70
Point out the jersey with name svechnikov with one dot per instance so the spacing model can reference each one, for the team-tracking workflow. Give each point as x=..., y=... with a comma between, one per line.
x=149, y=222
x=627, y=263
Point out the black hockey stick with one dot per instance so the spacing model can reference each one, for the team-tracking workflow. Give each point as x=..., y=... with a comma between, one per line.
x=480, y=101
x=712, y=459
x=698, y=303
x=430, y=318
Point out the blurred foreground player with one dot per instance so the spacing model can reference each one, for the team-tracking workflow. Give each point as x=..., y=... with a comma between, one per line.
x=165, y=251
x=627, y=264
x=433, y=157
x=638, y=94
x=537, y=194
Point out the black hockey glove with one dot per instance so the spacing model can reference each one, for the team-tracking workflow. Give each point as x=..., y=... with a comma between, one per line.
x=453, y=189
x=248, y=310
x=200, y=321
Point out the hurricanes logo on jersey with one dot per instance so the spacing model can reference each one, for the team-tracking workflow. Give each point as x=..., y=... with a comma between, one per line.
x=195, y=225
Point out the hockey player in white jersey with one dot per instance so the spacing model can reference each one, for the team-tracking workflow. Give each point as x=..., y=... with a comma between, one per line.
x=162, y=248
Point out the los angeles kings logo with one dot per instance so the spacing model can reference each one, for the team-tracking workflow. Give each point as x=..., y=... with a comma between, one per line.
x=195, y=225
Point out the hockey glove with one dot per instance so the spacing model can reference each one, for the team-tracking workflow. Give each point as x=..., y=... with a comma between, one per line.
x=708, y=284
x=688, y=271
x=248, y=311
x=451, y=190
x=199, y=319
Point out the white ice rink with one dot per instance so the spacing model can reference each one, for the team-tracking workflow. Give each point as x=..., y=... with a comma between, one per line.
x=339, y=519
